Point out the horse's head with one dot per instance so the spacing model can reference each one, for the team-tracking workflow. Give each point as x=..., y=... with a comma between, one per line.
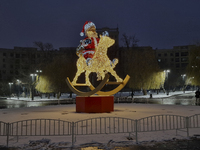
x=106, y=41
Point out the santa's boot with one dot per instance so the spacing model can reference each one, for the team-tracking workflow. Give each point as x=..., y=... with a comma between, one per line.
x=88, y=61
x=113, y=62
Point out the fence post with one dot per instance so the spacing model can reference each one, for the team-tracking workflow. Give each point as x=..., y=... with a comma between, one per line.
x=73, y=134
x=136, y=127
x=187, y=125
x=7, y=133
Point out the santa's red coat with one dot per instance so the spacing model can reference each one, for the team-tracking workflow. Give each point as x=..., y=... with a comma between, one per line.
x=89, y=45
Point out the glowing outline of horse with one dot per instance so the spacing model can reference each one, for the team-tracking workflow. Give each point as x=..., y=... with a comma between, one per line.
x=102, y=74
x=100, y=63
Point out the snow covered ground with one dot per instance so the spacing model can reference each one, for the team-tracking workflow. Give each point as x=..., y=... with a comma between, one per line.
x=137, y=94
x=68, y=113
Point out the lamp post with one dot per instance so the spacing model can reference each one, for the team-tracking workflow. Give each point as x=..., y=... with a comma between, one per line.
x=167, y=72
x=32, y=92
x=18, y=81
x=183, y=77
x=39, y=72
x=10, y=87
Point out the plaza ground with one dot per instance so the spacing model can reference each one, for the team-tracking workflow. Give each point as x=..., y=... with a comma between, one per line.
x=125, y=110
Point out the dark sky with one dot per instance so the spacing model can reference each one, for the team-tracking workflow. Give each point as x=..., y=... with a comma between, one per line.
x=157, y=23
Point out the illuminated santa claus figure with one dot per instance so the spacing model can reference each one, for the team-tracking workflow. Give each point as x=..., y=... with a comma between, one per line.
x=89, y=44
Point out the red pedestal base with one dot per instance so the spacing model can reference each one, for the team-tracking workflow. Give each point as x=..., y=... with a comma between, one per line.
x=95, y=104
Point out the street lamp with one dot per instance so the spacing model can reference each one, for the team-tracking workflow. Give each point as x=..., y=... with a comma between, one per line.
x=183, y=77
x=18, y=81
x=33, y=76
x=167, y=72
x=39, y=71
x=32, y=92
x=10, y=87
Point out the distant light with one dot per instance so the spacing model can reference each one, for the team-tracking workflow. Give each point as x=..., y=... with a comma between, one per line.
x=194, y=66
x=18, y=81
x=183, y=75
x=167, y=71
x=33, y=75
x=38, y=70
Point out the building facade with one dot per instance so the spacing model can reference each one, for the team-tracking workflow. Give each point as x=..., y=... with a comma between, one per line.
x=22, y=59
x=175, y=59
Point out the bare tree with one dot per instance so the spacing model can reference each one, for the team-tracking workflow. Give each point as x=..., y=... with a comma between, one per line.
x=43, y=46
x=40, y=45
x=129, y=41
x=48, y=46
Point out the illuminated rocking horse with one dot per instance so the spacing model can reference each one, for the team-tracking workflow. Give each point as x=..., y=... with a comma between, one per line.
x=100, y=64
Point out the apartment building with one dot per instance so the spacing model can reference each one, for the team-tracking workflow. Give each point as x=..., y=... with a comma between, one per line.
x=175, y=59
x=22, y=59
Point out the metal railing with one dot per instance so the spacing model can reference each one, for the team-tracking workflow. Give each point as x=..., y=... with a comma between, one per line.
x=161, y=123
x=100, y=125
x=104, y=125
x=3, y=128
x=194, y=121
x=40, y=127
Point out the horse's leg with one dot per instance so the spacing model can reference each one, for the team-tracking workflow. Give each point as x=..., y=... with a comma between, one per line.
x=87, y=80
x=99, y=77
x=76, y=76
x=114, y=74
x=80, y=63
x=102, y=74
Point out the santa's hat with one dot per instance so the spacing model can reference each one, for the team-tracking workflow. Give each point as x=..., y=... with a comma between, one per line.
x=86, y=26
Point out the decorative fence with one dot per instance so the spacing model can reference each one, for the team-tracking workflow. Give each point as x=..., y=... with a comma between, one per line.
x=101, y=125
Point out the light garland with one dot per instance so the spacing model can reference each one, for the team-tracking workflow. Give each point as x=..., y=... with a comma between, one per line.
x=100, y=63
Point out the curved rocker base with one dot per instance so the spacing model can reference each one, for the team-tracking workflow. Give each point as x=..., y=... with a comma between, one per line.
x=97, y=90
x=114, y=91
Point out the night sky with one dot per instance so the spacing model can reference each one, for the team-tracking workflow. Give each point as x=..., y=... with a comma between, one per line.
x=161, y=24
